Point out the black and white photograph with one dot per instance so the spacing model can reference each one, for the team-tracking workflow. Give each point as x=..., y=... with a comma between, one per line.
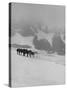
x=36, y=44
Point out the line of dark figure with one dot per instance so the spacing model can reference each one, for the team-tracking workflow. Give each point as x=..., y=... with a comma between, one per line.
x=26, y=52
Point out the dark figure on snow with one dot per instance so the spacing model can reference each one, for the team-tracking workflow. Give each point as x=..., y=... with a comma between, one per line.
x=26, y=52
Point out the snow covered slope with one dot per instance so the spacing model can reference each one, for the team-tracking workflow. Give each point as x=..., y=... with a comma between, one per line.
x=18, y=39
x=33, y=71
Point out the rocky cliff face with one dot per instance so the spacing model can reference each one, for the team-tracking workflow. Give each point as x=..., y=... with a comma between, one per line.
x=57, y=45
x=41, y=44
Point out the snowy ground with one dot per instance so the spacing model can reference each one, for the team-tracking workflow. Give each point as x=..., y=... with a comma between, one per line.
x=41, y=70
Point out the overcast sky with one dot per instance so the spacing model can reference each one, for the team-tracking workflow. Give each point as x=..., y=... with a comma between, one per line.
x=22, y=14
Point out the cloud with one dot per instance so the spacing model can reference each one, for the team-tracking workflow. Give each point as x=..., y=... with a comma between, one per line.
x=52, y=15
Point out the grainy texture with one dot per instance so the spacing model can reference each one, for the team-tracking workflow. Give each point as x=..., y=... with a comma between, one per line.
x=37, y=44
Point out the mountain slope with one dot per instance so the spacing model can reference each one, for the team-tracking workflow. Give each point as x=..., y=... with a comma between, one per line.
x=18, y=39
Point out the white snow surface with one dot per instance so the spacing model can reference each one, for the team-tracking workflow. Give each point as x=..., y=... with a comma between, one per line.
x=40, y=70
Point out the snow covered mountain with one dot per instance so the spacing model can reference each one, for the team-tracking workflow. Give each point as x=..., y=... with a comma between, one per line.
x=18, y=39
x=40, y=41
x=47, y=36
